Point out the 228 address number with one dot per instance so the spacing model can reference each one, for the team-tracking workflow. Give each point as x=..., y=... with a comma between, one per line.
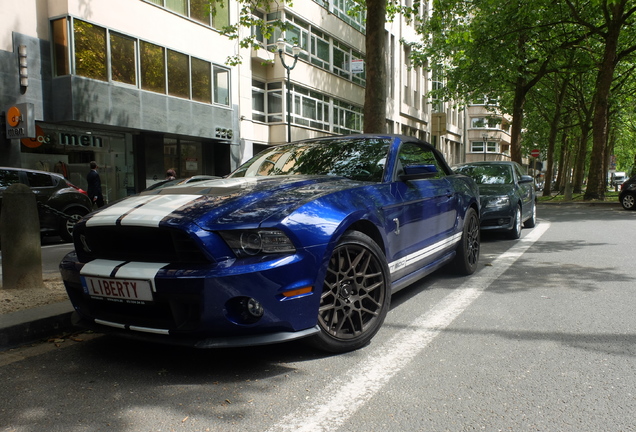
x=224, y=133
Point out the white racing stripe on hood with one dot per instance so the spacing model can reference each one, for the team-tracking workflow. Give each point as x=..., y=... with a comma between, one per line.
x=145, y=210
x=151, y=213
x=111, y=214
x=122, y=270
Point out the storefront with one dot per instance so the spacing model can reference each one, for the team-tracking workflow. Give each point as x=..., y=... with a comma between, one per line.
x=68, y=151
x=128, y=163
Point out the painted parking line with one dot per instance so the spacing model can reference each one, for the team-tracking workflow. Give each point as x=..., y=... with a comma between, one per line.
x=366, y=380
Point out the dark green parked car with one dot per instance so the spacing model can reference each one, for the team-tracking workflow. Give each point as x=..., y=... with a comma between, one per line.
x=507, y=195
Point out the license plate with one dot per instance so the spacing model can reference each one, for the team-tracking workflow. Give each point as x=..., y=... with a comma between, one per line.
x=122, y=290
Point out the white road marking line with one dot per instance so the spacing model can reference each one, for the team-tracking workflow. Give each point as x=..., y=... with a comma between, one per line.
x=385, y=362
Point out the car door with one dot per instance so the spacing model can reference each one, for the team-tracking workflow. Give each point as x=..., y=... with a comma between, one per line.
x=424, y=217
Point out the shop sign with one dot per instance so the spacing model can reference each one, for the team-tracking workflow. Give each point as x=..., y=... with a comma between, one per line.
x=20, y=121
x=40, y=138
x=85, y=140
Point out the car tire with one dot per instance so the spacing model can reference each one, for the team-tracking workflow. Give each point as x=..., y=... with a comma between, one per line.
x=628, y=201
x=515, y=232
x=66, y=225
x=467, y=253
x=355, y=297
x=532, y=221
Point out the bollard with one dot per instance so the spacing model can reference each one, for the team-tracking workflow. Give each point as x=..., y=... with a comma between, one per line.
x=20, y=234
x=568, y=192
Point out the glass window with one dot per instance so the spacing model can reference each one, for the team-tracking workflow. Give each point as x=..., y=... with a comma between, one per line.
x=8, y=177
x=319, y=50
x=477, y=147
x=275, y=102
x=153, y=70
x=201, y=80
x=258, y=101
x=347, y=118
x=39, y=179
x=221, y=17
x=415, y=154
x=178, y=74
x=60, y=47
x=90, y=50
x=122, y=58
x=200, y=11
x=221, y=86
x=179, y=6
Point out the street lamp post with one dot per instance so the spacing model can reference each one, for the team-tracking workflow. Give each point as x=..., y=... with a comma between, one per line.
x=280, y=44
x=485, y=136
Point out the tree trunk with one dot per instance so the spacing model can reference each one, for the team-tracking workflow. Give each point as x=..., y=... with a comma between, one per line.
x=375, y=91
x=597, y=176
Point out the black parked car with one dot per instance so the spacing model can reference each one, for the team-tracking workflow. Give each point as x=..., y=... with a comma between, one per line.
x=627, y=197
x=508, y=197
x=55, y=193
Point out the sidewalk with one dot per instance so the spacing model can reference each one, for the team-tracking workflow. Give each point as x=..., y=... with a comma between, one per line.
x=31, y=325
x=43, y=322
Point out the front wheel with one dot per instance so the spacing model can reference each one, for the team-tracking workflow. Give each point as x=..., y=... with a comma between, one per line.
x=515, y=231
x=355, y=295
x=66, y=227
x=467, y=254
x=532, y=221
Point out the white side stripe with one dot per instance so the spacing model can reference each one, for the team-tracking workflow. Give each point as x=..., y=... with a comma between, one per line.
x=400, y=263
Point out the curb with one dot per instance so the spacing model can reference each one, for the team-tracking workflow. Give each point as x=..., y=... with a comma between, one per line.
x=31, y=325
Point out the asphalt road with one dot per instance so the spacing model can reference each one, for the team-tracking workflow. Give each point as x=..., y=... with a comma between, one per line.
x=541, y=338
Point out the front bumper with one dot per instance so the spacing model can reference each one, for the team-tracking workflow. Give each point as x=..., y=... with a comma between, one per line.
x=204, y=305
x=497, y=221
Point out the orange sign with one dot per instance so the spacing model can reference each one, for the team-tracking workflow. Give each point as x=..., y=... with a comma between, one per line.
x=39, y=139
x=14, y=116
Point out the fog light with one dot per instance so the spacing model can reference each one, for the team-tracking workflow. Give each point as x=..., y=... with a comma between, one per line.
x=254, y=308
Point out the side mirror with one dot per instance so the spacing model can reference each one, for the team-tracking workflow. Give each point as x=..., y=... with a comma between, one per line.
x=526, y=179
x=416, y=172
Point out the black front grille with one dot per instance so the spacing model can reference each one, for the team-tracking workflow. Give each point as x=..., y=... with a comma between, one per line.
x=143, y=244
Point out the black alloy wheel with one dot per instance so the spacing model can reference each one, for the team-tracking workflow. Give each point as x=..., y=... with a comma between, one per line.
x=355, y=297
x=467, y=254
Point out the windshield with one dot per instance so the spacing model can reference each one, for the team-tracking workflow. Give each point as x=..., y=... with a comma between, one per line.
x=487, y=174
x=354, y=158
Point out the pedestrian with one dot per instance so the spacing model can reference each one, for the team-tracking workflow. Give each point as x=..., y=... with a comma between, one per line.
x=171, y=174
x=95, y=186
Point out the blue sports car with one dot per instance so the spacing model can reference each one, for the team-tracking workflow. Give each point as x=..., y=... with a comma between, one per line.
x=308, y=239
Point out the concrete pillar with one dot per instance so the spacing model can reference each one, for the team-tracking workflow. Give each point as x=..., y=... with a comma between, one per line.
x=20, y=234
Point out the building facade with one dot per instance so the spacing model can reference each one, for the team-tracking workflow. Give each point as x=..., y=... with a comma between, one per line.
x=140, y=96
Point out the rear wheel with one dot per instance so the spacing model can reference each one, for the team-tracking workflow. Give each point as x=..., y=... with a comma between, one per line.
x=468, y=250
x=515, y=231
x=66, y=227
x=355, y=295
x=628, y=201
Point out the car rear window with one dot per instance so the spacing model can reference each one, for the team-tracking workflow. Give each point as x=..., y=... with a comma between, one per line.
x=8, y=177
x=40, y=180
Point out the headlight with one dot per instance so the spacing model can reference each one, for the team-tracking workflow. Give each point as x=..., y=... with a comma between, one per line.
x=498, y=202
x=255, y=242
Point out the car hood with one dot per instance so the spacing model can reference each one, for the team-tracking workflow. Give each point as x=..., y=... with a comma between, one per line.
x=495, y=190
x=221, y=204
